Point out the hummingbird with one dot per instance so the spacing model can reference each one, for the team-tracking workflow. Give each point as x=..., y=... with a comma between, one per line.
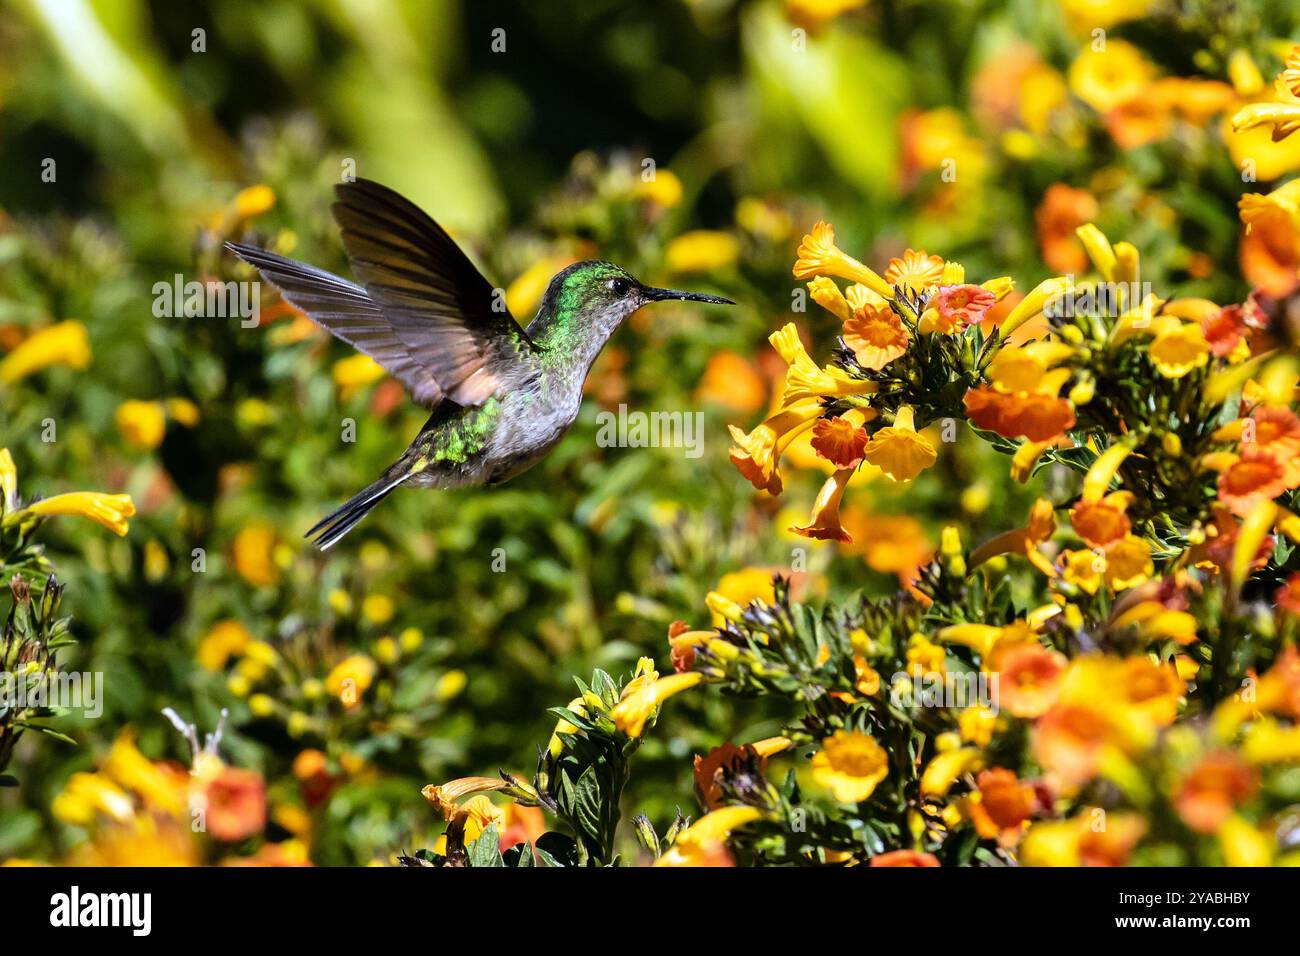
x=500, y=395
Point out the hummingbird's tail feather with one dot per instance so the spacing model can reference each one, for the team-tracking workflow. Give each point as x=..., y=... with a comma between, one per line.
x=331, y=529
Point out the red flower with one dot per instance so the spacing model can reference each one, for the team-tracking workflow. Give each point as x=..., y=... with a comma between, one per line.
x=961, y=305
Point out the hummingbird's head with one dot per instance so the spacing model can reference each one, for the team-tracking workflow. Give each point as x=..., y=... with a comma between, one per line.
x=590, y=299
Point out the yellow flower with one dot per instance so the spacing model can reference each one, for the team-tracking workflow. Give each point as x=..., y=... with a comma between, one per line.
x=225, y=639
x=8, y=482
x=977, y=724
x=1033, y=304
x=1179, y=350
x=757, y=455
x=253, y=201
x=351, y=678
x=700, y=842
x=898, y=450
x=1128, y=563
x=450, y=685
x=738, y=589
x=1243, y=844
x=704, y=250
x=377, y=608
x=131, y=769
x=915, y=271
x=141, y=424
x=254, y=551
x=818, y=255
x=804, y=379
x=87, y=795
x=355, y=372
x=1282, y=203
x=183, y=411
x=524, y=294
x=1084, y=16
x=638, y=703
x=478, y=814
x=825, y=521
x=1284, y=117
x=63, y=344
x=944, y=769
x=1105, y=79
x=445, y=798
x=827, y=294
x=111, y=511
x=850, y=764
x=663, y=189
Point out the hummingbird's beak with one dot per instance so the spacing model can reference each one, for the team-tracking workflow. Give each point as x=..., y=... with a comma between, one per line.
x=658, y=295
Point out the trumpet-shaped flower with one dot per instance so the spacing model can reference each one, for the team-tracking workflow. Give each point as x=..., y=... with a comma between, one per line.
x=111, y=511
x=825, y=523
x=819, y=256
x=635, y=708
x=63, y=344
x=899, y=450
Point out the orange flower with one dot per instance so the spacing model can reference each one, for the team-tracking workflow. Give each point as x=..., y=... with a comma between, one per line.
x=1068, y=741
x=1153, y=690
x=1142, y=120
x=1039, y=418
x=1113, y=844
x=1062, y=211
x=1218, y=784
x=522, y=825
x=729, y=758
x=1225, y=330
x=758, y=454
x=235, y=804
x=915, y=271
x=839, y=440
x=890, y=544
x=898, y=450
x=825, y=521
x=1254, y=477
x=1002, y=805
x=1221, y=542
x=876, y=336
x=1029, y=677
x=961, y=305
x=1102, y=523
x=1288, y=595
x=904, y=858
x=732, y=382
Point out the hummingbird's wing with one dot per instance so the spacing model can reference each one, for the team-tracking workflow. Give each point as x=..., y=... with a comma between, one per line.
x=345, y=309
x=453, y=323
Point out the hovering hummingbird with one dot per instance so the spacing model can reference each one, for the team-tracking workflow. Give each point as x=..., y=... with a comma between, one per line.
x=500, y=396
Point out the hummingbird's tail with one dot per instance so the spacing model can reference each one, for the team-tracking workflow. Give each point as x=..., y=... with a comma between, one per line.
x=330, y=530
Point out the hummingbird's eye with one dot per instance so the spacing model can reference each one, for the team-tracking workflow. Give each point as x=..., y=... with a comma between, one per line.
x=620, y=287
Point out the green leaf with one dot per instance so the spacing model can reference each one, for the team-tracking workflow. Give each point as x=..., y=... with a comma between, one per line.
x=486, y=850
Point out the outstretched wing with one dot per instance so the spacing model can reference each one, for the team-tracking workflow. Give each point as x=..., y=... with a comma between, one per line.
x=449, y=318
x=345, y=309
